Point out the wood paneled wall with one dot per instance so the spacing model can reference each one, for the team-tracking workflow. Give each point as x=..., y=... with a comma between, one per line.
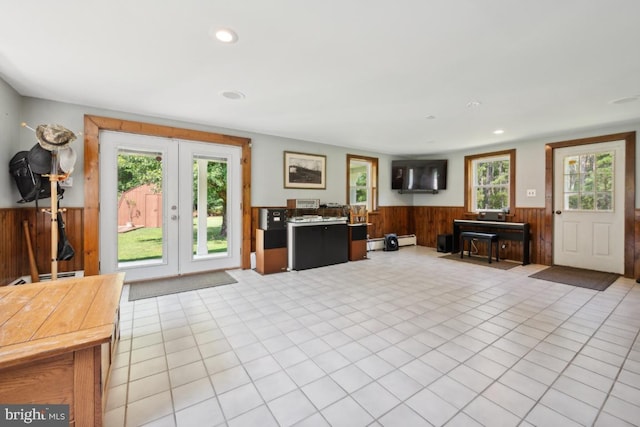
x=14, y=258
x=430, y=221
x=426, y=222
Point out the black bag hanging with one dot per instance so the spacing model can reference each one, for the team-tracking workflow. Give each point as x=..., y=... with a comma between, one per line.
x=29, y=183
x=65, y=250
x=27, y=168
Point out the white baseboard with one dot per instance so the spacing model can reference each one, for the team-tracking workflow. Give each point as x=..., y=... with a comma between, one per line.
x=44, y=277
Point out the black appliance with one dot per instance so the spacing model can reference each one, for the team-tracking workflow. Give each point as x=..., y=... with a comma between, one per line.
x=273, y=219
x=391, y=242
x=445, y=242
x=419, y=176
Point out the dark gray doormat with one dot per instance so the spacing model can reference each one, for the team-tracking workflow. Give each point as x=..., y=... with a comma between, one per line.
x=482, y=260
x=590, y=279
x=173, y=285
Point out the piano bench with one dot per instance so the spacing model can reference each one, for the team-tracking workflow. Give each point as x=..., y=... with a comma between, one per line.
x=470, y=236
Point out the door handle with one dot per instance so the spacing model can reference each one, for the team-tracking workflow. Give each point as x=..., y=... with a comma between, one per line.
x=174, y=217
x=558, y=212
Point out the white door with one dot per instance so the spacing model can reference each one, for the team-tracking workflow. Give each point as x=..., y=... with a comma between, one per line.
x=168, y=207
x=589, y=206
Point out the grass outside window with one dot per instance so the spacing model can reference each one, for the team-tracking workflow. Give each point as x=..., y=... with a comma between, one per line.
x=146, y=243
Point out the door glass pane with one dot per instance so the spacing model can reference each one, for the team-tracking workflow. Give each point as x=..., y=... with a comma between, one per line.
x=571, y=183
x=140, y=213
x=210, y=219
x=588, y=182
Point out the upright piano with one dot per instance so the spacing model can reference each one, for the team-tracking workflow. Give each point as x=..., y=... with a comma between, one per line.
x=513, y=231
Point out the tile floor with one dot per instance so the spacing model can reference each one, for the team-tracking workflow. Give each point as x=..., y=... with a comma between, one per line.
x=401, y=339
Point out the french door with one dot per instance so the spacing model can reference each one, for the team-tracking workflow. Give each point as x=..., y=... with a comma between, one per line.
x=589, y=206
x=168, y=206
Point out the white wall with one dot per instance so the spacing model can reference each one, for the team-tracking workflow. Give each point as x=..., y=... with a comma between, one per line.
x=267, y=157
x=268, y=172
x=10, y=102
x=267, y=187
x=530, y=167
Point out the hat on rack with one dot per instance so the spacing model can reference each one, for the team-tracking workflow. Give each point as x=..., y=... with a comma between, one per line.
x=67, y=159
x=53, y=137
x=39, y=159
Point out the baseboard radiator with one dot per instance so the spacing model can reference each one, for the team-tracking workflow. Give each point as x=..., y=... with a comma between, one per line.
x=378, y=244
x=46, y=277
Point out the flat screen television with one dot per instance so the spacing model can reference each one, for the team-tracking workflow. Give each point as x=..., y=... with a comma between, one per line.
x=419, y=176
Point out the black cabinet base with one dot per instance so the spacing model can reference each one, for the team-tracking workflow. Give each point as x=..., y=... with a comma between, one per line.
x=319, y=245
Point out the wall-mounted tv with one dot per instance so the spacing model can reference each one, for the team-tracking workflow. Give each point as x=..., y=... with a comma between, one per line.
x=419, y=176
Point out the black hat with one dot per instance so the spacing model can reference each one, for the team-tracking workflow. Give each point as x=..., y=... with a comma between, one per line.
x=39, y=159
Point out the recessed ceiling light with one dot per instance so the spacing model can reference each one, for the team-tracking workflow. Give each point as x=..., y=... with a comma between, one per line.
x=226, y=35
x=498, y=131
x=473, y=104
x=625, y=99
x=232, y=94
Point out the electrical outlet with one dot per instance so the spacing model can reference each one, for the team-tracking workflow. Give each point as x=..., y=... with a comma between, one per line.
x=531, y=192
x=67, y=183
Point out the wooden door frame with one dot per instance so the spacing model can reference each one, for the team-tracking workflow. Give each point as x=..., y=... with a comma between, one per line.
x=92, y=127
x=629, y=199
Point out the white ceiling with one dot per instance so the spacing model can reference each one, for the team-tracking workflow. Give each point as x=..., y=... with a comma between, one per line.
x=357, y=73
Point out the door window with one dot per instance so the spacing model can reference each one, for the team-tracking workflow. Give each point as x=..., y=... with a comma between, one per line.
x=210, y=217
x=140, y=231
x=588, y=182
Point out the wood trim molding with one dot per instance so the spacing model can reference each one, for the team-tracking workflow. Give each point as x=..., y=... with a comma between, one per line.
x=375, y=185
x=629, y=202
x=92, y=127
x=468, y=177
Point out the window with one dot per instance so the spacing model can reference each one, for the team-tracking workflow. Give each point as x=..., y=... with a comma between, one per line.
x=588, y=182
x=362, y=181
x=490, y=181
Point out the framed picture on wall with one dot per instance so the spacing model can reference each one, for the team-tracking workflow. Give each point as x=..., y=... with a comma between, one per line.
x=305, y=170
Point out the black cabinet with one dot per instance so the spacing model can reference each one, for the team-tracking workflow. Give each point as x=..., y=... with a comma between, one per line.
x=318, y=245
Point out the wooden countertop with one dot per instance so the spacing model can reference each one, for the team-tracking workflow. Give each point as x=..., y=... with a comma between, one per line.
x=44, y=319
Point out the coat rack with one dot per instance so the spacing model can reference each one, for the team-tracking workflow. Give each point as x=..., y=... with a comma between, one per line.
x=53, y=181
x=55, y=138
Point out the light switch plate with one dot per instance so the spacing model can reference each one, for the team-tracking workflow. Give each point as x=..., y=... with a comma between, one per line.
x=531, y=192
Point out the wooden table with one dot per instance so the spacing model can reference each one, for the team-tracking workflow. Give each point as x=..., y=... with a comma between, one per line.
x=57, y=340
